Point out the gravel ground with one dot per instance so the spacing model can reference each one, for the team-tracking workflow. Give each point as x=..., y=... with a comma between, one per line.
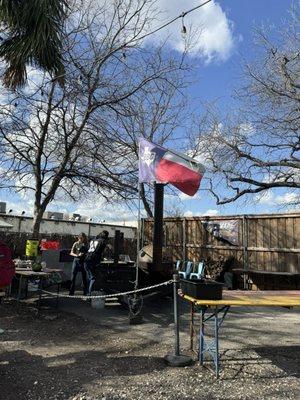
x=87, y=354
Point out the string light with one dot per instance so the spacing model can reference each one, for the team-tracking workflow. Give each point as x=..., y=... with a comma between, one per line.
x=183, y=28
x=183, y=14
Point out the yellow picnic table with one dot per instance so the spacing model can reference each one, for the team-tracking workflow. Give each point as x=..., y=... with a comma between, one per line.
x=216, y=311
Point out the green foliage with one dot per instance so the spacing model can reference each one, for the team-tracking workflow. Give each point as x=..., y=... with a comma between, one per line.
x=33, y=36
x=36, y=267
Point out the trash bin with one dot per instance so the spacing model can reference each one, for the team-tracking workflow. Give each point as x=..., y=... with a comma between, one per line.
x=202, y=289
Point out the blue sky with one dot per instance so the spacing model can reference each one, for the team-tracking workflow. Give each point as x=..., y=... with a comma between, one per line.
x=217, y=79
x=227, y=38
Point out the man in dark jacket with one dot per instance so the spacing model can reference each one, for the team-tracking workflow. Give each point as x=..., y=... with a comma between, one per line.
x=93, y=257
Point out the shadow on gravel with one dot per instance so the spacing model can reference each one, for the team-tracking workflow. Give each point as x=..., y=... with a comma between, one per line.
x=260, y=363
x=284, y=357
x=68, y=372
x=156, y=310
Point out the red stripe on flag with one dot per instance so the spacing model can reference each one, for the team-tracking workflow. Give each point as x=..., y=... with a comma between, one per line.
x=185, y=179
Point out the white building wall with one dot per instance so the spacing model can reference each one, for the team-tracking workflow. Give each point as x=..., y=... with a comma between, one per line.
x=64, y=227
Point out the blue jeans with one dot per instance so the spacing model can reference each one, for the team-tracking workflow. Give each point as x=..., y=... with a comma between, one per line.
x=78, y=266
x=89, y=267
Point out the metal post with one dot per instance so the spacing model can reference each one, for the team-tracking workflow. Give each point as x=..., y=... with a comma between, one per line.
x=201, y=335
x=142, y=233
x=184, y=239
x=137, y=318
x=138, y=236
x=192, y=327
x=217, y=361
x=177, y=359
x=176, y=324
x=245, y=249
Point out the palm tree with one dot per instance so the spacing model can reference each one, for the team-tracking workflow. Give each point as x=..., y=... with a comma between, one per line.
x=32, y=36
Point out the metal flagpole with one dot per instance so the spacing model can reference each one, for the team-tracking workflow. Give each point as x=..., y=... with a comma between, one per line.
x=135, y=306
x=138, y=238
x=135, y=316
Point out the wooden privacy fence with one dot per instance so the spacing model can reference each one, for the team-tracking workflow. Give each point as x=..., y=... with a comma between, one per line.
x=268, y=242
x=17, y=242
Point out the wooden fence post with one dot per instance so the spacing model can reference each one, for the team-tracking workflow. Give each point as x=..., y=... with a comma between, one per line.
x=245, y=246
x=184, y=239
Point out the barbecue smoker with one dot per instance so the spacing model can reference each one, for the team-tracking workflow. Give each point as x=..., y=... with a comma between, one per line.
x=120, y=275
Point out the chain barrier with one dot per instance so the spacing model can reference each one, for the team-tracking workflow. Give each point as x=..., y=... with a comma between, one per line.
x=104, y=296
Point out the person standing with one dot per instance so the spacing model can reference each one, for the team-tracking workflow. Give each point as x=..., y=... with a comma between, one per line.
x=78, y=251
x=94, y=256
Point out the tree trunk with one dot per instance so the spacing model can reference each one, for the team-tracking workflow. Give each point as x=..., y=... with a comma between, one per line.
x=37, y=218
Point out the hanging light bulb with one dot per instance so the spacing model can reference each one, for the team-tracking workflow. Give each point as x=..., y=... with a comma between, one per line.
x=183, y=27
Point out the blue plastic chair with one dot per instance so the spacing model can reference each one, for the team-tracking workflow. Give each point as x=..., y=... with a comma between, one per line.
x=198, y=271
x=186, y=270
x=178, y=265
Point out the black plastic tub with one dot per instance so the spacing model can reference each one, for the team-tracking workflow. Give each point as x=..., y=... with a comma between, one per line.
x=202, y=290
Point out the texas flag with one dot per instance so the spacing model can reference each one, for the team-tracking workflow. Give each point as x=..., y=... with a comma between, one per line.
x=157, y=164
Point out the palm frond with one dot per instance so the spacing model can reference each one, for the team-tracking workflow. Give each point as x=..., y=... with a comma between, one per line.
x=34, y=37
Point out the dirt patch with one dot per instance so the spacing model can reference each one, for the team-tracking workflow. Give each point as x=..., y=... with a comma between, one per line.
x=68, y=356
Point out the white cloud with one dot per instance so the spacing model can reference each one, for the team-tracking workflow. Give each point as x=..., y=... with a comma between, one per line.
x=271, y=199
x=114, y=214
x=213, y=40
x=101, y=210
x=209, y=212
x=185, y=197
x=189, y=213
x=287, y=198
x=35, y=79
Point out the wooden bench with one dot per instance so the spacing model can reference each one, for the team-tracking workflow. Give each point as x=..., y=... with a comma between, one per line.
x=268, y=280
x=215, y=311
